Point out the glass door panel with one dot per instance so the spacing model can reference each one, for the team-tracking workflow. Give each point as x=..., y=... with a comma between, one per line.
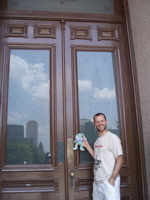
x=28, y=123
x=82, y=6
x=96, y=93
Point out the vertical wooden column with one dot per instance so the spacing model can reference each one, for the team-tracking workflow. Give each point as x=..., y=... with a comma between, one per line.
x=64, y=107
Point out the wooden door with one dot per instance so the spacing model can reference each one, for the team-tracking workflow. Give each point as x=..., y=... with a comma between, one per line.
x=68, y=71
x=32, y=156
x=97, y=80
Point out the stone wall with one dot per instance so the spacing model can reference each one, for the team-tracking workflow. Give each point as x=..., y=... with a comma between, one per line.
x=140, y=22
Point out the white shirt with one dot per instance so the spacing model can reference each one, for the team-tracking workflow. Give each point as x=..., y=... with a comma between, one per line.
x=106, y=149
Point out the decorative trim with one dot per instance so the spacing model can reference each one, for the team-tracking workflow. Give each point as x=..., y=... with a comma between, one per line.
x=29, y=186
x=107, y=34
x=44, y=31
x=83, y=184
x=40, y=15
x=80, y=32
x=16, y=30
x=125, y=181
x=126, y=198
x=125, y=186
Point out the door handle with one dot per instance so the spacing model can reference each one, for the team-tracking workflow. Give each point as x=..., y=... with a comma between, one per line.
x=72, y=174
x=71, y=179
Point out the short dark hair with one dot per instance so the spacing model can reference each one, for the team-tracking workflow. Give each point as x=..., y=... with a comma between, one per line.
x=98, y=114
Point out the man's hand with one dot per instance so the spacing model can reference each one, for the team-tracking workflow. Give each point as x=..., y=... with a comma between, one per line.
x=112, y=181
x=88, y=147
x=85, y=143
x=117, y=167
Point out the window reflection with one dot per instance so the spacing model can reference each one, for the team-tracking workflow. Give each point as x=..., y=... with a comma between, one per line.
x=28, y=128
x=82, y=6
x=97, y=93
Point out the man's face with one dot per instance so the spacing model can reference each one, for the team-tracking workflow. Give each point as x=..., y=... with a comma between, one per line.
x=100, y=123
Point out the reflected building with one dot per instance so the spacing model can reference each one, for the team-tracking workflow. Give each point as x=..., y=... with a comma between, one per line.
x=32, y=131
x=25, y=140
x=115, y=131
x=82, y=124
x=87, y=127
x=14, y=132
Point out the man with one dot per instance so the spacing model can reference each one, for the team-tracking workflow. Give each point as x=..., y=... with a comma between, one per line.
x=108, y=159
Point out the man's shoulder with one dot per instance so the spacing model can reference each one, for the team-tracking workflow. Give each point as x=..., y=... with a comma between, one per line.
x=113, y=136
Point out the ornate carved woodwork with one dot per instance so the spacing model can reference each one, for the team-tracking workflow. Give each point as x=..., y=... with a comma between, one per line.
x=16, y=30
x=44, y=31
x=107, y=33
x=80, y=32
x=29, y=186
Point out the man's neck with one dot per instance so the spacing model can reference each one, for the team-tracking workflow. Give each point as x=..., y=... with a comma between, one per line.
x=102, y=133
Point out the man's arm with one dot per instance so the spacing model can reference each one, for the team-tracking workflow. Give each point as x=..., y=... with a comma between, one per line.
x=88, y=147
x=117, y=167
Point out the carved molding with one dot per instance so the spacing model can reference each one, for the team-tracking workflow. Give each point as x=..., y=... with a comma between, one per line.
x=80, y=32
x=16, y=30
x=83, y=184
x=87, y=184
x=107, y=34
x=126, y=198
x=29, y=186
x=125, y=187
x=59, y=15
x=125, y=181
x=44, y=31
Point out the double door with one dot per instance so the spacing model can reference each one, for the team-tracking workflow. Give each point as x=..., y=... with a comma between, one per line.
x=55, y=76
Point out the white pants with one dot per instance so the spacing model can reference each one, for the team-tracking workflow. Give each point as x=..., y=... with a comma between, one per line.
x=105, y=191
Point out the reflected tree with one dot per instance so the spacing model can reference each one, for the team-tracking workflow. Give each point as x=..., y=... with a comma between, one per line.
x=18, y=153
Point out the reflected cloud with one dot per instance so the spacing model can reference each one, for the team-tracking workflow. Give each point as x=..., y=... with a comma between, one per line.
x=32, y=78
x=84, y=85
x=104, y=93
x=15, y=117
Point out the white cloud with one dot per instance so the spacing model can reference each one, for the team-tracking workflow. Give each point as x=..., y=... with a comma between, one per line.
x=104, y=93
x=32, y=78
x=84, y=85
x=15, y=117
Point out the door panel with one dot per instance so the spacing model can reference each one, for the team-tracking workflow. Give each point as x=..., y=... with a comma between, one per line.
x=85, y=71
x=96, y=38
x=28, y=176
